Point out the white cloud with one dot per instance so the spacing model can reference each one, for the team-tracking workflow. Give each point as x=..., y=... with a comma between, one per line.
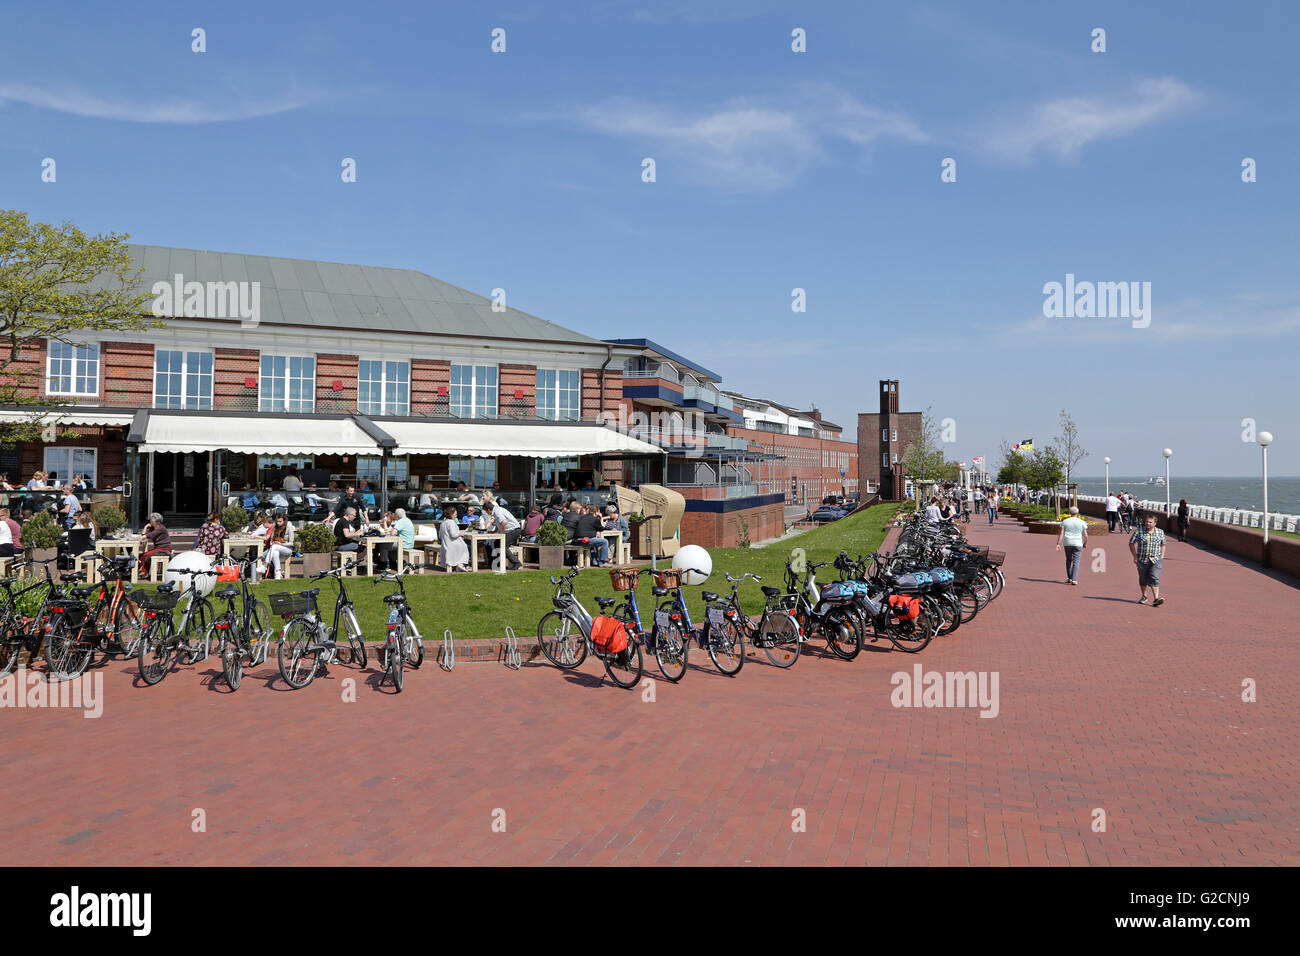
x=1063, y=126
x=171, y=110
x=751, y=142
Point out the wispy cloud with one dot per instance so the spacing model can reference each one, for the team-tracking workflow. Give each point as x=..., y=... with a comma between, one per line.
x=750, y=143
x=166, y=110
x=1062, y=127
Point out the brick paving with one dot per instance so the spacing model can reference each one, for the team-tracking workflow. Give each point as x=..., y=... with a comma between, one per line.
x=1104, y=703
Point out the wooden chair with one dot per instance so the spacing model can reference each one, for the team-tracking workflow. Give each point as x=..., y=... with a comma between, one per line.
x=413, y=557
x=158, y=565
x=343, y=558
x=87, y=564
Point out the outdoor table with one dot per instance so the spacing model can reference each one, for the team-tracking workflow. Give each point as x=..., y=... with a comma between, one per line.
x=254, y=541
x=482, y=537
x=111, y=546
x=371, y=540
x=617, y=546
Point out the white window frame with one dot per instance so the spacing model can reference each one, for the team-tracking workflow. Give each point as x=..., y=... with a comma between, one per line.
x=475, y=411
x=65, y=474
x=482, y=471
x=72, y=361
x=185, y=375
x=895, y=438
x=550, y=409
x=399, y=407
x=884, y=434
x=263, y=379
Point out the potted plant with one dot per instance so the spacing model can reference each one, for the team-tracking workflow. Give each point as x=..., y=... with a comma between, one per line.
x=315, y=541
x=234, y=518
x=109, y=519
x=551, y=539
x=41, y=535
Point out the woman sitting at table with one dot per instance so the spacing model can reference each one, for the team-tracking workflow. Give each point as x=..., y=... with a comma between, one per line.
x=279, y=545
x=386, y=554
x=428, y=500
x=4, y=483
x=211, y=536
x=455, y=553
x=257, y=525
x=15, y=531
x=156, y=539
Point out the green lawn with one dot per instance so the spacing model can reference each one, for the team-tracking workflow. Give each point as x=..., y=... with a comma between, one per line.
x=481, y=605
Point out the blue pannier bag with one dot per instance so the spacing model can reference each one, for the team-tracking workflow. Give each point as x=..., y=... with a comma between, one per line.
x=941, y=575
x=837, y=591
x=915, y=579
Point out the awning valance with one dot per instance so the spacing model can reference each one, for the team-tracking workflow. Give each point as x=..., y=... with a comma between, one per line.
x=71, y=415
x=489, y=439
x=257, y=435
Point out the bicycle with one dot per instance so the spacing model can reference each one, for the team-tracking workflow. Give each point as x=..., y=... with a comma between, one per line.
x=307, y=646
x=672, y=623
x=240, y=635
x=402, y=641
x=564, y=633
x=727, y=627
x=18, y=632
x=74, y=633
x=162, y=637
x=828, y=610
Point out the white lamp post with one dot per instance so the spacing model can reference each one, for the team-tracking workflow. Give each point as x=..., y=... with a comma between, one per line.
x=1107, y=477
x=1264, y=438
x=1167, y=452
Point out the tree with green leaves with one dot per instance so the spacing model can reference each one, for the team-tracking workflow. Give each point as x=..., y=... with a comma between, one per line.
x=58, y=284
x=1012, y=471
x=923, y=459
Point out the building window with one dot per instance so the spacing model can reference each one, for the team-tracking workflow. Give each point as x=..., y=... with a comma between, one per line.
x=287, y=383
x=182, y=379
x=474, y=391
x=475, y=472
x=63, y=463
x=895, y=458
x=383, y=387
x=278, y=463
x=368, y=468
x=884, y=434
x=884, y=460
x=559, y=393
x=895, y=434
x=72, y=369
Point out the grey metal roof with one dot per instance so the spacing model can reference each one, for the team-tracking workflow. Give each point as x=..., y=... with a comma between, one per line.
x=368, y=298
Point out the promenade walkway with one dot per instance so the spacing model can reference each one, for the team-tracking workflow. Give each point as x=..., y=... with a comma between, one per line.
x=1103, y=704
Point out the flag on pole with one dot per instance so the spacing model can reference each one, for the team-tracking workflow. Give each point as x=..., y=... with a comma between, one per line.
x=1026, y=445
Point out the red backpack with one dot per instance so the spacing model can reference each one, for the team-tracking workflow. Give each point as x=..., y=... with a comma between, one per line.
x=905, y=606
x=609, y=634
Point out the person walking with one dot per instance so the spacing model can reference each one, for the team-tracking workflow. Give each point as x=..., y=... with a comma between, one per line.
x=1112, y=511
x=1074, y=537
x=932, y=512
x=1147, y=545
x=1184, y=519
x=993, y=505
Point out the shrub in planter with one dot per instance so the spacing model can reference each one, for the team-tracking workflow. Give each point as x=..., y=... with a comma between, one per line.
x=109, y=519
x=234, y=518
x=41, y=535
x=551, y=538
x=315, y=541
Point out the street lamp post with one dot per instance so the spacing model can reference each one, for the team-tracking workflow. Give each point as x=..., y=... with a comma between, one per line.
x=1264, y=438
x=1107, y=477
x=1167, y=452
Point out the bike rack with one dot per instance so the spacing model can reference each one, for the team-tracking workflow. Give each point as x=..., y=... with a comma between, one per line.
x=448, y=660
x=513, y=658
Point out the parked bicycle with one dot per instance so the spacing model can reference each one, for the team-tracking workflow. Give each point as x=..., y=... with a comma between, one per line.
x=727, y=627
x=164, y=637
x=19, y=631
x=240, y=638
x=99, y=617
x=565, y=633
x=826, y=610
x=307, y=645
x=402, y=642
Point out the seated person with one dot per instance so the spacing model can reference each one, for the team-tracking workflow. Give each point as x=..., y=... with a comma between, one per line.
x=590, y=526
x=291, y=481
x=533, y=523
x=156, y=539
x=569, y=519
x=616, y=522
x=348, y=531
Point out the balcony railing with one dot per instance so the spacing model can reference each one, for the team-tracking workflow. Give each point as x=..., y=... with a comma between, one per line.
x=659, y=370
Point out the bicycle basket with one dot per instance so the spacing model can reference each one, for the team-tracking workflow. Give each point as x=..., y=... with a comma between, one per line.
x=995, y=557
x=289, y=603
x=668, y=577
x=623, y=579
x=156, y=600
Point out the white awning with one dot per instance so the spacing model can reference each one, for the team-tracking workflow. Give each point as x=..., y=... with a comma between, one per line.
x=489, y=439
x=261, y=435
x=66, y=416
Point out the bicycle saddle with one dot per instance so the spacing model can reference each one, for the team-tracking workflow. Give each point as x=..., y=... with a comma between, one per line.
x=709, y=597
x=394, y=599
x=68, y=576
x=227, y=592
x=167, y=588
x=660, y=592
x=84, y=592
x=771, y=592
x=605, y=602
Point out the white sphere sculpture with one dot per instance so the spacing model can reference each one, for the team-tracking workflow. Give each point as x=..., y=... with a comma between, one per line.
x=191, y=561
x=693, y=559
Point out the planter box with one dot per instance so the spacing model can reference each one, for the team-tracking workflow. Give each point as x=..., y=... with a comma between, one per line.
x=40, y=554
x=1043, y=527
x=550, y=557
x=315, y=563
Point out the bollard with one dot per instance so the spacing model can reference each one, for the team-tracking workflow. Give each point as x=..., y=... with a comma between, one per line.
x=513, y=658
x=448, y=657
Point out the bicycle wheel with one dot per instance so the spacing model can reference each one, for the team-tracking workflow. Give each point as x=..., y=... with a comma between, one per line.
x=154, y=652
x=414, y=646
x=781, y=632
x=298, y=660
x=126, y=626
x=912, y=636
x=562, y=639
x=970, y=605
x=356, y=641
x=232, y=664
x=259, y=632
x=395, y=657
x=198, y=631
x=840, y=628
x=67, y=656
x=11, y=640
x=998, y=583
x=983, y=591
x=671, y=651
x=627, y=666
x=726, y=647
x=952, y=609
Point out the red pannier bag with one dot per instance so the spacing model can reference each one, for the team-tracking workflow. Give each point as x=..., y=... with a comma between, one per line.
x=609, y=634
x=905, y=606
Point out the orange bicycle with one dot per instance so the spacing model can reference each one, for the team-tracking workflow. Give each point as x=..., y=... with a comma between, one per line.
x=82, y=623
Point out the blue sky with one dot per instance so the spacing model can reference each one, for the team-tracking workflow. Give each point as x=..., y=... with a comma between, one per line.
x=775, y=171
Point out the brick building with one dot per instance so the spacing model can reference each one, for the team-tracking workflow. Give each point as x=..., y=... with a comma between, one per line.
x=883, y=440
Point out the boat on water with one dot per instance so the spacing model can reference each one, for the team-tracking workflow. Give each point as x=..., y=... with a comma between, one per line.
x=1155, y=481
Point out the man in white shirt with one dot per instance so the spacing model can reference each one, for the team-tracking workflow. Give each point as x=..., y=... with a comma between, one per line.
x=1112, y=511
x=932, y=515
x=1074, y=536
x=499, y=520
x=291, y=481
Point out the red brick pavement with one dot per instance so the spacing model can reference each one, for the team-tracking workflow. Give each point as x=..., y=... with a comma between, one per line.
x=1104, y=703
